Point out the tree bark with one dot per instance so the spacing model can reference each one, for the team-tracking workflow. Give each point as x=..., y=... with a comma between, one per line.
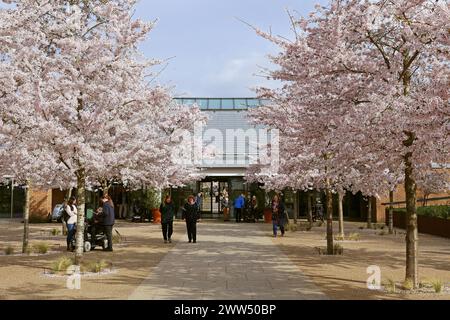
x=341, y=214
x=391, y=212
x=369, y=213
x=26, y=217
x=81, y=186
x=295, y=207
x=309, y=210
x=412, y=238
x=329, y=208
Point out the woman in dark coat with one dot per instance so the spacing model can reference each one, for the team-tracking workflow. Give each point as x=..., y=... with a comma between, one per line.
x=167, y=210
x=191, y=213
x=108, y=219
x=278, y=215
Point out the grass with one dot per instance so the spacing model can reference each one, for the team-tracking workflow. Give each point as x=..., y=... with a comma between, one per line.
x=437, y=285
x=338, y=249
x=9, y=250
x=390, y=286
x=41, y=248
x=55, y=232
x=96, y=266
x=408, y=284
x=354, y=236
x=62, y=264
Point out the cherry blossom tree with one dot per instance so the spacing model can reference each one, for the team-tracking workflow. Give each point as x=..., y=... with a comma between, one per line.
x=364, y=101
x=96, y=110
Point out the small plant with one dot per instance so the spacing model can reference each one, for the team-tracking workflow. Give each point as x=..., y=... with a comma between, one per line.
x=292, y=227
x=353, y=236
x=390, y=286
x=339, y=238
x=62, y=264
x=9, y=250
x=437, y=285
x=41, y=248
x=55, y=232
x=361, y=228
x=97, y=266
x=408, y=284
x=382, y=233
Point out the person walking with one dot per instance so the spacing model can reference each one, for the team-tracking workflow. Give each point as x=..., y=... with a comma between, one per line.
x=199, y=200
x=278, y=215
x=239, y=205
x=71, y=214
x=191, y=214
x=108, y=219
x=225, y=204
x=254, y=209
x=167, y=210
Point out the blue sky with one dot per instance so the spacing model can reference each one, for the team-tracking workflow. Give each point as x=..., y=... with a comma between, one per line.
x=212, y=53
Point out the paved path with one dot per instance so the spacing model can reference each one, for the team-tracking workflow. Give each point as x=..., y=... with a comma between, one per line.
x=229, y=261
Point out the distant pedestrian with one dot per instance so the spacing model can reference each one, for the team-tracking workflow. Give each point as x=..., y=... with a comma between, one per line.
x=254, y=209
x=199, y=200
x=239, y=205
x=71, y=216
x=278, y=215
x=191, y=214
x=108, y=219
x=167, y=210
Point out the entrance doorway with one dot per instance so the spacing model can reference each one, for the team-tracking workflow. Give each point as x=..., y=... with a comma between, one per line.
x=213, y=191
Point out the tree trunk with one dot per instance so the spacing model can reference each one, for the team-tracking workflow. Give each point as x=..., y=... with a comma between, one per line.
x=391, y=212
x=341, y=214
x=81, y=185
x=329, y=208
x=369, y=213
x=26, y=217
x=309, y=210
x=295, y=207
x=411, y=222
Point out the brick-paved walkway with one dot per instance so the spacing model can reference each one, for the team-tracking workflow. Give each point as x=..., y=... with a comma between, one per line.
x=229, y=261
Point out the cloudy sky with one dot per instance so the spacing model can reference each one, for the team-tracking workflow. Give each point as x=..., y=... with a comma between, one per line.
x=211, y=53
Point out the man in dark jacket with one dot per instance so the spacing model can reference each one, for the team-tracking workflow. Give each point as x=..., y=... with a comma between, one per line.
x=108, y=219
x=167, y=210
x=191, y=214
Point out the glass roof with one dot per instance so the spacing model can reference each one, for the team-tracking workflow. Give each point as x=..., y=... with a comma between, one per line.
x=223, y=103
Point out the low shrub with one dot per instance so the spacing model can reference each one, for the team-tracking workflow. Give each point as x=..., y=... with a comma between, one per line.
x=62, y=264
x=41, y=248
x=390, y=286
x=96, y=266
x=437, y=285
x=441, y=211
x=55, y=232
x=408, y=284
x=9, y=250
x=354, y=236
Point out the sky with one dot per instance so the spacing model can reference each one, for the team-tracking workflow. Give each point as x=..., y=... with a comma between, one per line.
x=208, y=51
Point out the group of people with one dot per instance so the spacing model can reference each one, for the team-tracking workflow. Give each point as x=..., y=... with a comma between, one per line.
x=246, y=209
x=103, y=218
x=190, y=213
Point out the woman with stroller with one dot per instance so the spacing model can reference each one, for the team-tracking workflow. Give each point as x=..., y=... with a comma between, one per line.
x=191, y=213
x=167, y=210
x=278, y=215
x=71, y=212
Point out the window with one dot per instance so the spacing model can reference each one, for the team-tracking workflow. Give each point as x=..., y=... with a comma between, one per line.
x=240, y=103
x=202, y=103
x=214, y=104
x=227, y=104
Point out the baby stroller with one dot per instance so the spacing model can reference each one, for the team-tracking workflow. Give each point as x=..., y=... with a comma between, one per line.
x=89, y=242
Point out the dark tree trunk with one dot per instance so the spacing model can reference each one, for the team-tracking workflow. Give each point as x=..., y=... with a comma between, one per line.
x=329, y=208
x=309, y=210
x=391, y=212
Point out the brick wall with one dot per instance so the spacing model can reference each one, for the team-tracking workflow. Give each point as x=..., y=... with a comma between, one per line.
x=40, y=203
